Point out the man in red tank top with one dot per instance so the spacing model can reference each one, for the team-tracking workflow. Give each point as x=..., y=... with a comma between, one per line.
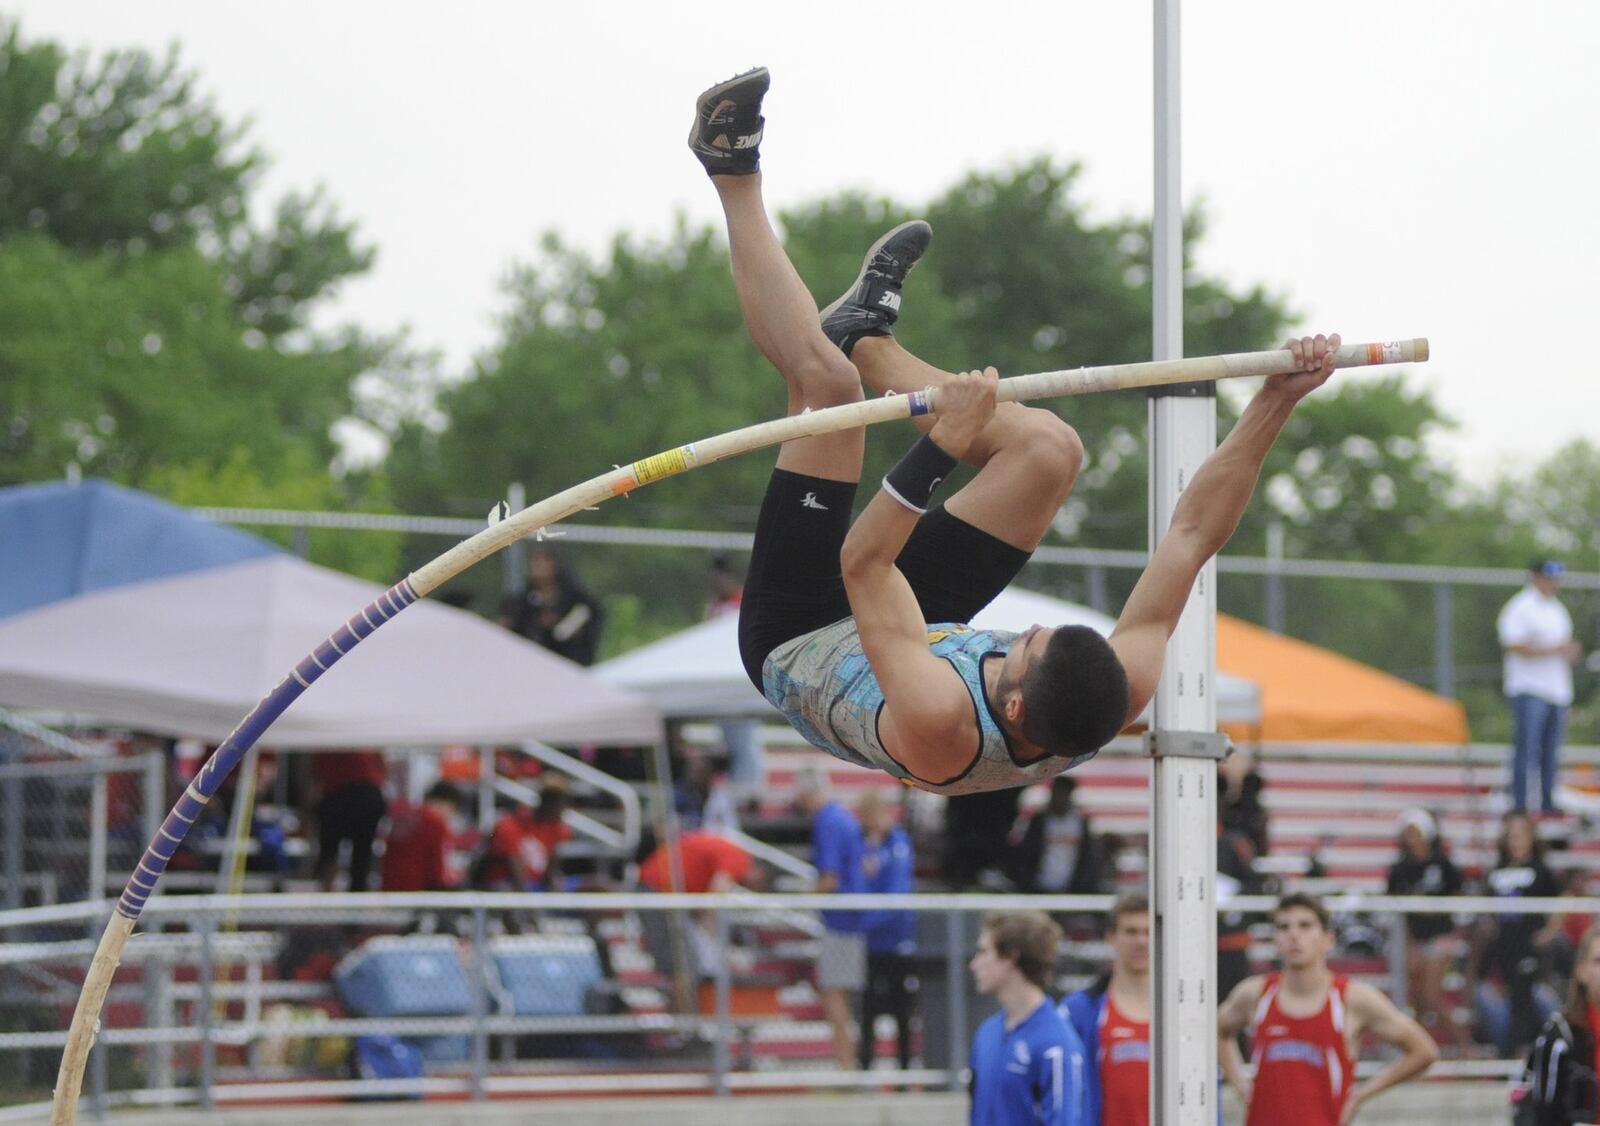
x=1112, y=1018
x=1305, y=1023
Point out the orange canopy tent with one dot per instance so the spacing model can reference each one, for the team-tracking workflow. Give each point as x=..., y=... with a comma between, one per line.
x=1314, y=694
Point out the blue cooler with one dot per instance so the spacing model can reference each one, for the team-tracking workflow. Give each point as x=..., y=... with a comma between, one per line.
x=546, y=975
x=414, y=976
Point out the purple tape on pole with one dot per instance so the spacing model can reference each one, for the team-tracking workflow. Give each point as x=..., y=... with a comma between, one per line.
x=252, y=727
x=919, y=402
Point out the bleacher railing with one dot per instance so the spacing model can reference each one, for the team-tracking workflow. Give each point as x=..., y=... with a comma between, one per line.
x=524, y=993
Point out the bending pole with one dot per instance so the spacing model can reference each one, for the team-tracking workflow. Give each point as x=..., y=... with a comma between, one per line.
x=534, y=518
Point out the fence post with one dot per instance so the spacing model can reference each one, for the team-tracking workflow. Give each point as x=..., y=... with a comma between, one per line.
x=1444, y=639
x=721, y=1054
x=1275, y=601
x=1099, y=599
x=480, y=1002
x=206, y=924
x=1399, y=950
x=98, y=817
x=13, y=894
x=955, y=993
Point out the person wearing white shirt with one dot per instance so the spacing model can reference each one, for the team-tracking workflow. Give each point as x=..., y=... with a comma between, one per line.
x=1536, y=635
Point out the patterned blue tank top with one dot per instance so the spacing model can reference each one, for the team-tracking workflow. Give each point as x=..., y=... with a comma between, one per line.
x=822, y=683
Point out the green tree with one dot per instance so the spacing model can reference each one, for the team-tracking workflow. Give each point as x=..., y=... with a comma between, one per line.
x=603, y=361
x=151, y=331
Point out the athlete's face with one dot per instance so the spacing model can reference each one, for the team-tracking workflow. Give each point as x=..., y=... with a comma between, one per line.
x=990, y=970
x=1028, y=647
x=1130, y=943
x=1300, y=937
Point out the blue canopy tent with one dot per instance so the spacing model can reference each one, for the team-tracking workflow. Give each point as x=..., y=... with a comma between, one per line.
x=121, y=609
x=58, y=540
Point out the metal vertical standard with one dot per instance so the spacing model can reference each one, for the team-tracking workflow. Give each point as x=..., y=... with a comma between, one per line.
x=1183, y=740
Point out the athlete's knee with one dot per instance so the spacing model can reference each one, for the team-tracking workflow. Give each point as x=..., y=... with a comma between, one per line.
x=1052, y=447
x=822, y=376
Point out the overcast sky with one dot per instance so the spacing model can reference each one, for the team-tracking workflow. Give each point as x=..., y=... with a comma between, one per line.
x=1394, y=169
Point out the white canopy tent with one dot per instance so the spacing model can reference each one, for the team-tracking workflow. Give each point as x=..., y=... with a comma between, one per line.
x=697, y=674
x=190, y=655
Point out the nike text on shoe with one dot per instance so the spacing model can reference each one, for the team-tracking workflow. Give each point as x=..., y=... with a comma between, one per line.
x=727, y=124
x=872, y=303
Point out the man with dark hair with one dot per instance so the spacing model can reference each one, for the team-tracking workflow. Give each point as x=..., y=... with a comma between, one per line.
x=1306, y=1024
x=1112, y=1018
x=1027, y=1063
x=856, y=631
x=1058, y=854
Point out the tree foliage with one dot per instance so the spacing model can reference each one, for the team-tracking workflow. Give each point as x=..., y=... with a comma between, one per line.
x=152, y=330
x=602, y=361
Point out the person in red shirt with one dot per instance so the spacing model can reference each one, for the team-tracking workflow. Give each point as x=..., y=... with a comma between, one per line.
x=1112, y=1018
x=1305, y=1023
x=685, y=953
x=709, y=864
x=416, y=852
x=523, y=849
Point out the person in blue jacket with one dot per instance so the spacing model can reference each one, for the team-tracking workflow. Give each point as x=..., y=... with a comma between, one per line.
x=1027, y=1063
x=887, y=868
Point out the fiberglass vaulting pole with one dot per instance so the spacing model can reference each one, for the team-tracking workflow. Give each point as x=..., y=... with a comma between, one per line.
x=1182, y=739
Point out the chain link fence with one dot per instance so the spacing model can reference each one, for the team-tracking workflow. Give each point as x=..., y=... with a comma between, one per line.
x=227, y=1000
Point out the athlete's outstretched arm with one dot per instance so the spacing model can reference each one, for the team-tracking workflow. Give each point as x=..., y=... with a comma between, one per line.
x=923, y=697
x=1205, y=517
x=1375, y=1013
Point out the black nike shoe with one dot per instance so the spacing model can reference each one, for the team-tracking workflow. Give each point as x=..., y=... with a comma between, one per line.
x=872, y=304
x=727, y=124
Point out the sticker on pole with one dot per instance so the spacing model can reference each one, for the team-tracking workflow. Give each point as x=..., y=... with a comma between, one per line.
x=1389, y=352
x=665, y=464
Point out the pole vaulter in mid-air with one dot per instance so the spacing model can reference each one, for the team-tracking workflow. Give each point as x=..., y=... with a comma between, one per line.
x=836, y=625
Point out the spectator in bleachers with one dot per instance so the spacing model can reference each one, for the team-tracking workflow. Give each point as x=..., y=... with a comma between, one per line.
x=706, y=863
x=1027, y=1063
x=523, y=853
x=977, y=838
x=1236, y=875
x=555, y=610
x=1424, y=868
x=1559, y=1084
x=350, y=805
x=887, y=868
x=1112, y=1019
x=417, y=849
x=702, y=799
x=1059, y=853
x=1511, y=1000
x=836, y=847
x=1536, y=634
x=1240, y=798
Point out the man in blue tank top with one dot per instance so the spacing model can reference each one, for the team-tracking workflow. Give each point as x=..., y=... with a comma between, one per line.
x=856, y=632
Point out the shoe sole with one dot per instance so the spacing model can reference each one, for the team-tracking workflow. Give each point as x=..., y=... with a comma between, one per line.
x=866, y=263
x=709, y=100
